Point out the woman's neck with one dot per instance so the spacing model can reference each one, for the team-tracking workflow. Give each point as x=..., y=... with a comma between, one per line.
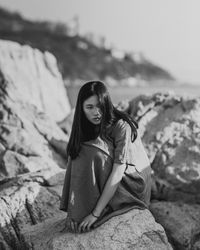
x=97, y=129
x=91, y=132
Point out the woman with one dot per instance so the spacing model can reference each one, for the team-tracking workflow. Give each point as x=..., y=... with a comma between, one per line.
x=108, y=172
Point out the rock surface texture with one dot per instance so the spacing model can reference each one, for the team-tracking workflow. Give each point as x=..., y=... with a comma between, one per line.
x=32, y=169
x=170, y=129
x=31, y=181
x=33, y=77
x=136, y=229
x=181, y=222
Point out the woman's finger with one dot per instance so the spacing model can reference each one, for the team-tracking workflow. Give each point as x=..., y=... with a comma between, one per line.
x=72, y=226
x=91, y=223
x=84, y=226
x=80, y=228
x=76, y=227
x=80, y=225
x=88, y=226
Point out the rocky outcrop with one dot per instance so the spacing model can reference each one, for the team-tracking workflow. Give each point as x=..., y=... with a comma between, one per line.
x=25, y=201
x=78, y=56
x=170, y=127
x=136, y=229
x=31, y=171
x=31, y=182
x=181, y=222
x=32, y=168
x=30, y=193
x=33, y=77
x=24, y=147
x=66, y=124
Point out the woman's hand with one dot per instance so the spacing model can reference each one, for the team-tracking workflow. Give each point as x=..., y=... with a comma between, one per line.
x=86, y=223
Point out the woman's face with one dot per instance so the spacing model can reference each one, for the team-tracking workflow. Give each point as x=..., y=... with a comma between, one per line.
x=92, y=110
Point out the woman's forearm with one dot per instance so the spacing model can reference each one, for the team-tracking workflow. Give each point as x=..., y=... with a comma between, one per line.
x=110, y=187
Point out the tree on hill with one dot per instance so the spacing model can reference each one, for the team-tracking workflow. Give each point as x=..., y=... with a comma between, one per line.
x=78, y=56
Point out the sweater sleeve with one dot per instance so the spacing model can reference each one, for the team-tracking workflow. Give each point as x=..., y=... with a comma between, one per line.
x=121, y=134
x=126, y=151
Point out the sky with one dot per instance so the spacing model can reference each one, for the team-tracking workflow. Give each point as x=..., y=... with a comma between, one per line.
x=167, y=32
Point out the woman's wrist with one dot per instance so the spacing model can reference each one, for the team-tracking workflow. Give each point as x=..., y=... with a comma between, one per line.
x=97, y=210
x=94, y=215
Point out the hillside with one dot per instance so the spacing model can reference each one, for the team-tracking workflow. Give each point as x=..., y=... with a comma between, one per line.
x=77, y=56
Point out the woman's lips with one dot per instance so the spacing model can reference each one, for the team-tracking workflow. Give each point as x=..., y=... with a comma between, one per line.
x=97, y=119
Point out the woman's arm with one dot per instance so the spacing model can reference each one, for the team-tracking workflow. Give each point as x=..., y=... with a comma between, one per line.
x=110, y=187
x=108, y=192
x=121, y=134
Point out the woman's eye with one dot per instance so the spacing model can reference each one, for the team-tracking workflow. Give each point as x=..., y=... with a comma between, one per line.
x=89, y=107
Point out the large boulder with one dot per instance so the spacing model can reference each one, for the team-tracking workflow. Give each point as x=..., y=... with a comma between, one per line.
x=136, y=229
x=31, y=169
x=181, y=222
x=27, y=200
x=170, y=129
x=66, y=124
x=32, y=76
x=24, y=147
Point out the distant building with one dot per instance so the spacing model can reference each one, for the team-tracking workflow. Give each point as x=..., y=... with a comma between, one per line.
x=137, y=57
x=118, y=54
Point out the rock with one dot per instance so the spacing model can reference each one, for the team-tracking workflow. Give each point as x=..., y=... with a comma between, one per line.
x=181, y=222
x=27, y=200
x=170, y=129
x=123, y=105
x=23, y=132
x=136, y=229
x=33, y=77
x=31, y=169
x=66, y=124
x=144, y=108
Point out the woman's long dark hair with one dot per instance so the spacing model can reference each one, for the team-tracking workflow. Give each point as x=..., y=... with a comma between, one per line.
x=82, y=129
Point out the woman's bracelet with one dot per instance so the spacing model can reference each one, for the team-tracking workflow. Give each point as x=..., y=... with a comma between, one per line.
x=94, y=215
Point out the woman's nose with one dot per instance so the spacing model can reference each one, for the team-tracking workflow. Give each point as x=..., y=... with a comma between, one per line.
x=97, y=111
